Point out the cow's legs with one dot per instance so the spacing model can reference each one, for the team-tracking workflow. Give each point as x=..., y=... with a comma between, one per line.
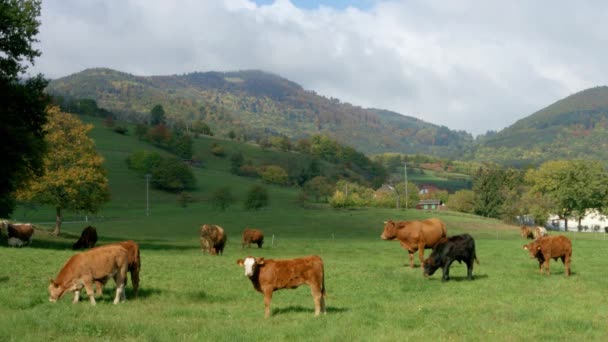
x=411, y=256
x=567, y=264
x=446, y=270
x=134, y=280
x=119, y=278
x=470, y=269
x=546, y=265
x=421, y=253
x=76, y=297
x=317, y=296
x=88, y=285
x=98, y=288
x=267, y=300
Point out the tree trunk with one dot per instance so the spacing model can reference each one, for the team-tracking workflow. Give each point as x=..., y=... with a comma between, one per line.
x=57, y=222
x=566, y=223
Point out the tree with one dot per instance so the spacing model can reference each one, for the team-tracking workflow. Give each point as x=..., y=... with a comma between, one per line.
x=172, y=175
x=256, y=198
x=222, y=198
x=74, y=177
x=199, y=127
x=22, y=104
x=462, y=201
x=236, y=161
x=318, y=187
x=274, y=174
x=157, y=115
x=572, y=186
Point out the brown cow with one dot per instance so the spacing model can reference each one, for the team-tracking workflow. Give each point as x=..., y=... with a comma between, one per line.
x=19, y=234
x=545, y=248
x=270, y=275
x=82, y=269
x=213, y=239
x=415, y=235
x=134, y=265
x=532, y=233
x=88, y=238
x=252, y=235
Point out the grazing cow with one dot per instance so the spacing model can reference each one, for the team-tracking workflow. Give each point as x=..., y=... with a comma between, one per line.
x=88, y=238
x=82, y=269
x=252, y=235
x=415, y=235
x=532, y=233
x=213, y=239
x=447, y=250
x=547, y=247
x=270, y=275
x=134, y=265
x=19, y=234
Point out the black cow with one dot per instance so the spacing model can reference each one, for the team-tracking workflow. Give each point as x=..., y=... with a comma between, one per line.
x=447, y=250
x=88, y=238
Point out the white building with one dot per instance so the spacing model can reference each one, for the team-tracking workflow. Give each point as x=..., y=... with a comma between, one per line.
x=592, y=222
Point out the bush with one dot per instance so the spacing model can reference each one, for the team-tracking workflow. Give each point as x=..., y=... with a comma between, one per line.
x=144, y=161
x=236, y=161
x=222, y=198
x=171, y=174
x=248, y=170
x=274, y=174
x=217, y=150
x=184, y=198
x=256, y=198
x=121, y=130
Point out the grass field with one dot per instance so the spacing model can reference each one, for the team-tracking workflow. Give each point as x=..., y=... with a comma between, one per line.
x=186, y=295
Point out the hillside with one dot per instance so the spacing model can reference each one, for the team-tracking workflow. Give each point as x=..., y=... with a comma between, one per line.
x=571, y=128
x=255, y=104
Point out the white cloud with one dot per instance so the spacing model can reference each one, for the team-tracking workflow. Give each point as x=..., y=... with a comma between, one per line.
x=472, y=65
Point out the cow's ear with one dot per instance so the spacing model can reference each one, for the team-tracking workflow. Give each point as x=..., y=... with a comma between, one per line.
x=259, y=261
x=51, y=281
x=538, y=248
x=526, y=247
x=239, y=262
x=385, y=222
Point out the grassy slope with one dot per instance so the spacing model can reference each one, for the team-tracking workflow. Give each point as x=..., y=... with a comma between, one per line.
x=189, y=296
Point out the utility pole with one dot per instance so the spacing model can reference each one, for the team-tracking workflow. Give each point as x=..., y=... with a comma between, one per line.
x=405, y=173
x=147, y=194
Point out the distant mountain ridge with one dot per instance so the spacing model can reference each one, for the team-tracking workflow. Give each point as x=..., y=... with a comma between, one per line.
x=255, y=103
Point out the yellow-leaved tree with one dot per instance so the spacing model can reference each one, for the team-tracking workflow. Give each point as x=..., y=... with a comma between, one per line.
x=74, y=177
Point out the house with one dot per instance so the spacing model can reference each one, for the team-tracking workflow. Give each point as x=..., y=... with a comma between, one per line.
x=592, y=222
x=427, y=189
x=433, y=204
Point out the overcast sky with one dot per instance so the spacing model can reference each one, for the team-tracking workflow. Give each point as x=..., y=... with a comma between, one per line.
x=469, y=65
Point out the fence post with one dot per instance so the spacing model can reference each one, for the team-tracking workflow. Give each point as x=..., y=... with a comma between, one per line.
x=272, y=240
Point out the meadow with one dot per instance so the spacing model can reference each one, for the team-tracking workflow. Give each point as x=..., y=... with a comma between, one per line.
x=187, y=295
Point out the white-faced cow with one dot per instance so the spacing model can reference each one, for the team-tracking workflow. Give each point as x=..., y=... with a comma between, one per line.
x=251, y=235
x=270, y=275
x=213, y=239
x=83, y=269
x=447, y=250
x=19, y=234
x=134, y=265
x=551, y=247
x=415, y=235
x=88, y=238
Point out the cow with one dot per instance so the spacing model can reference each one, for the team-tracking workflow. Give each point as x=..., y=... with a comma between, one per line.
x=88, y=238
x=252, y=235
x=213, y=239
x=270, y=275
x=447, y=250
x=532, y=233
x=19, y=234
x=82, y=269
x=547, y=247
x=415, y=235
x=134, y=265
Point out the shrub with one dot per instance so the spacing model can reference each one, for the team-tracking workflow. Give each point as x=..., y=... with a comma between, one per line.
x=217, y=150
x=274, y=174
x=236, y=161
x=184, y=198
x=143, y=161
x=256, y=198
x=121, y=130
x=222, y=198
x=171, y=174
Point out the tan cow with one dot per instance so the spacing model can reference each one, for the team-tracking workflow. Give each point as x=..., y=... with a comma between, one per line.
x=134, y=265
x=83, y=269
x=415, y=235
x=252, y=235
x=213, y=239
x=547, y=247
x=270, y=275
x=532, y=233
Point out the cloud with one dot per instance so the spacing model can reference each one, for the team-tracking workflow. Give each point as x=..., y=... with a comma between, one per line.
x=469, y=65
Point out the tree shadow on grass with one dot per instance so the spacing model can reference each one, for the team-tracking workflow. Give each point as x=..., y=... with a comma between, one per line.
x=110, y=292
x=299, y=308
x=4, y=279
x=202, y=296
x=461, y=278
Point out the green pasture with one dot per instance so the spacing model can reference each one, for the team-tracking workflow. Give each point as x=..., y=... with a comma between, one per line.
x=187, y=295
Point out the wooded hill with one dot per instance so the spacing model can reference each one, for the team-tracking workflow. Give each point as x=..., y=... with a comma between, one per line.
x=255, y=104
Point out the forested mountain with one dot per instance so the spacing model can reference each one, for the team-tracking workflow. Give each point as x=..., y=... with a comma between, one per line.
x=575, y=127
x=255, y=104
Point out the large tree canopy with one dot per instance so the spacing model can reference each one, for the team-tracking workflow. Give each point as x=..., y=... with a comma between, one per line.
x=74, y=177
x=22, y=104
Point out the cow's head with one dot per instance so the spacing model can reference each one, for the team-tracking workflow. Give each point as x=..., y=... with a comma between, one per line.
x=251, y=264
x=55, y=291
x=533, y=248
x=430, y=265
x=390, y=230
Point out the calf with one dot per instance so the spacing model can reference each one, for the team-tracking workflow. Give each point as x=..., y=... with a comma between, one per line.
x=82, y=269
x=88, y=238
x=270, y=275
x=545, y=248
x=134, y=265
x=252, y=235
x=213, y=239
x=19, y=234
x=454, y=248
